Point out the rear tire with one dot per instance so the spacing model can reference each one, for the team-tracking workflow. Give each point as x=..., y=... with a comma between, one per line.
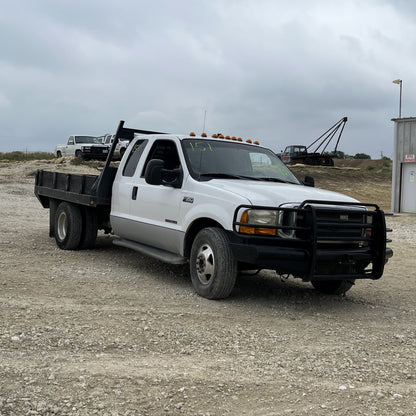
x=333, y=287
x=68, y=226
x=212, y=264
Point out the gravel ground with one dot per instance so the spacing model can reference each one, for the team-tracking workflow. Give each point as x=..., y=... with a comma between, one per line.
x=111, y=332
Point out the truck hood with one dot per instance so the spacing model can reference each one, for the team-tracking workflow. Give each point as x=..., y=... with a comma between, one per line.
x=276, y=194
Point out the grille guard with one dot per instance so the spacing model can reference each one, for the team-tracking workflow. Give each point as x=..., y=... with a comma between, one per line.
x=325, y=232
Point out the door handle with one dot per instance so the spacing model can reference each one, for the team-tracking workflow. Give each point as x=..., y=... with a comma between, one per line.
x=134, y=192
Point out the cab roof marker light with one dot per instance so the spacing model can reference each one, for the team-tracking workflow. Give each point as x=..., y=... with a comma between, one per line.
x=256, y=142
x=221, y=136
x=192, y=134
x=203, y=135
x=233, y=138
x=228, y=137
x=240, y=139
x=215, y=136
x=249, y=141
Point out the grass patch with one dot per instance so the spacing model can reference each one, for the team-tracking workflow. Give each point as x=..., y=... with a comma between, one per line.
x=18, y=156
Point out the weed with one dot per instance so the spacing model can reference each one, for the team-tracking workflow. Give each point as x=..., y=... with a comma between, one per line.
x=18, y=156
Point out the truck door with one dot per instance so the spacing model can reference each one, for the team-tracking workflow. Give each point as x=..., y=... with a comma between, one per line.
x=67, y=149
x=155, y=209
x=125, y=189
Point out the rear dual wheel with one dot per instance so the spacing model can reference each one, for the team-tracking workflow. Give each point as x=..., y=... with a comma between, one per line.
x=75, y=227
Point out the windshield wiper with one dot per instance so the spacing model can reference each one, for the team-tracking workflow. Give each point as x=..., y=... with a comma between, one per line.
x=269, y=179
x=227, y=176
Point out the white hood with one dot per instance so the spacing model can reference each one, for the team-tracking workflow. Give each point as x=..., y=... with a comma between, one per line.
x=276, y=194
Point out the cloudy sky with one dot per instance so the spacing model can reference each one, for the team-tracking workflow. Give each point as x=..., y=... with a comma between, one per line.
x=277, y=71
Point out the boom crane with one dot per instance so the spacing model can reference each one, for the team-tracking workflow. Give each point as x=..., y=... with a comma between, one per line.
x=314, y=154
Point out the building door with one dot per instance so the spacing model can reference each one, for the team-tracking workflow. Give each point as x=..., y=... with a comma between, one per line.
x=408, y=198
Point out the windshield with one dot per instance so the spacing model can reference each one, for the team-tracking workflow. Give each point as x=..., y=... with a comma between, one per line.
x=87, y=139
x=208, y=159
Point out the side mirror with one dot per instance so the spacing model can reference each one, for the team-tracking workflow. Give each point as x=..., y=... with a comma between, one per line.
x=156, y=174
x=309, y=181
x=172, y=177
x=153, y=172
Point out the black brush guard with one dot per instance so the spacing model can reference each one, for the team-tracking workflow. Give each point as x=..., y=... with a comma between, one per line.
x=332, y=240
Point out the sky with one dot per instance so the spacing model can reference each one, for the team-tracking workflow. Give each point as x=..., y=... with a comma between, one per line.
x=272, y=70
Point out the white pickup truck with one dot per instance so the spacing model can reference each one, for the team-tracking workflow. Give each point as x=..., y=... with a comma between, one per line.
x=121, y=145
x=82, y=146
x=220, y=205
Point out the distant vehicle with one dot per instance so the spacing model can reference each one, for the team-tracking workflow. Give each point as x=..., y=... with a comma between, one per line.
x=120, y=147
x=83, y=147
x=314, y=154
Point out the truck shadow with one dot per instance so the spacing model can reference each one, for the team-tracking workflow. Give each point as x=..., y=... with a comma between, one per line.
x=257, y=288
x=266, y=288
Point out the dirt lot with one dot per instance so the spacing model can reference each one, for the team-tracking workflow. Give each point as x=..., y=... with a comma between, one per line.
x=110, y=332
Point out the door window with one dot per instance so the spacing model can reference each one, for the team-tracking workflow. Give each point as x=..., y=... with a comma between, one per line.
x=134, y=157
x=166, y=151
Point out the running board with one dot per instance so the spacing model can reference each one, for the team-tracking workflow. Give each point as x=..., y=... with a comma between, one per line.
x=156, y=253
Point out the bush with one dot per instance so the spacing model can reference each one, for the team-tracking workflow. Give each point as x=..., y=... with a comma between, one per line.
x=362, y=156
x=18, y=156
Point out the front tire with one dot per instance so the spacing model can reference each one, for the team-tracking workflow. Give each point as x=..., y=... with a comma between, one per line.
x=68, y=226
x=333, y=287
x=212, y=264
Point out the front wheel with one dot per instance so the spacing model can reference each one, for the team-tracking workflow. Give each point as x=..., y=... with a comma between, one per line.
x=68, y=226
x=333, y=287
x=212, y=264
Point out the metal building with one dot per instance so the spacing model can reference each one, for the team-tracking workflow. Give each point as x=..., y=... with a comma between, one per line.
x=403, y=193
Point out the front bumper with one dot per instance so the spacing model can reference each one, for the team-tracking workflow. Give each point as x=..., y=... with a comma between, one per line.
x=325, y=245
x=95, y=153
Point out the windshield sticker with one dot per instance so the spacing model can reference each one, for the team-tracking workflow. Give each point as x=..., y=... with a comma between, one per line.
x=201, y=146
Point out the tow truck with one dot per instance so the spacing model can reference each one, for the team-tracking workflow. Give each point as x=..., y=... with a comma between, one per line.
x=315, y=153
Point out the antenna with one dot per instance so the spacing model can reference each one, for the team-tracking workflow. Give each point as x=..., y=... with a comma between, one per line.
x=203, y=127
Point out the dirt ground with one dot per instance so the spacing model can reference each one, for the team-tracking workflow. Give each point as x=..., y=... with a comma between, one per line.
x=111, y=332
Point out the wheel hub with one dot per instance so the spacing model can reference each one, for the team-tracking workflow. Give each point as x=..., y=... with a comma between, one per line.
x=62, y=226
x=205, y=264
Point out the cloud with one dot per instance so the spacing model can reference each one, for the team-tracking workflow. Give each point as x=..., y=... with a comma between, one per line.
x=267, y=69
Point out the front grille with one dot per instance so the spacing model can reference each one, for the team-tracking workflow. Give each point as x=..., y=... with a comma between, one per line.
x=342, y=225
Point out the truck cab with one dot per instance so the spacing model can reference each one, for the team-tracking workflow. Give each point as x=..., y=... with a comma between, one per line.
x=293, y=151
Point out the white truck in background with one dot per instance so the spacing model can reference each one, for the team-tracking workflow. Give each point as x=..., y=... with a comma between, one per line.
x=120, y=148
x=82, y=146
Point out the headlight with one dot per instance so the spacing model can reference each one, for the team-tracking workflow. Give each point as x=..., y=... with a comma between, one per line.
x=368, y=231
x=86, y=148
x=260, y=220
